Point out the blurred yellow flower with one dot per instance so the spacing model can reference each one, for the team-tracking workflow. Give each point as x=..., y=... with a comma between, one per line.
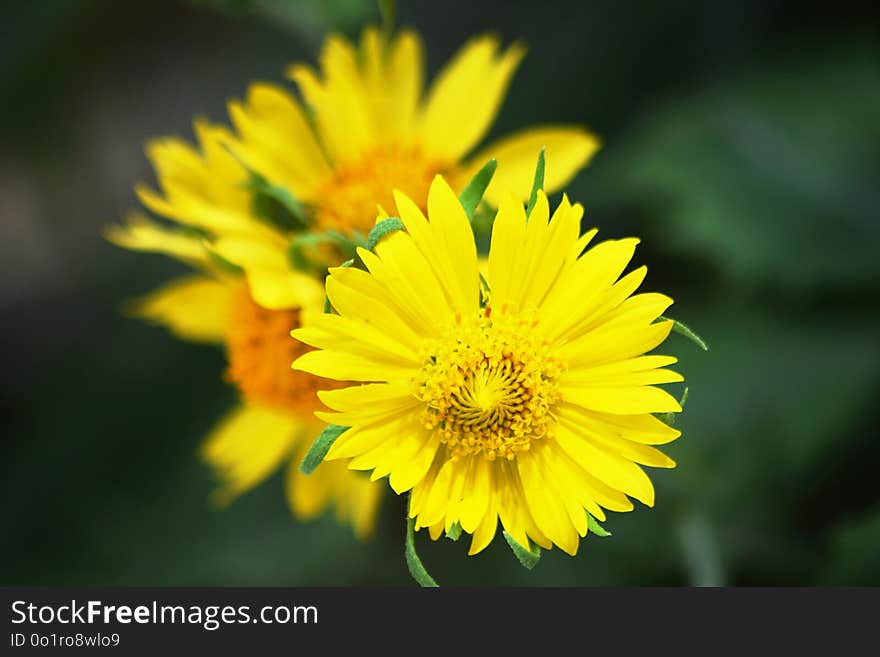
x=275, y=423
x=534, y=407
x=369, y=128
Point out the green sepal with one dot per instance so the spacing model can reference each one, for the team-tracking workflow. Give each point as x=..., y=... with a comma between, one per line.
x=595, y=528
x=686, y=331
x=416, y=568
x=381, y=229
x=300, y=245
x=454, y=532
x=195, y=232
x=223, y=263
x=528, y=558
x=275, y=204
x=320, y=447
x=537, y=184
x=669, y=418
x=386, y=11
x=472, y=195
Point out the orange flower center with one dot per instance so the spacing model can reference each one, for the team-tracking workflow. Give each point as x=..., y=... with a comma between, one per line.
x=349, y=199
x=260, y=351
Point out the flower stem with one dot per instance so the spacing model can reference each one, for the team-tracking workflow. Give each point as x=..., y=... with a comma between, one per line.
x=416, y=569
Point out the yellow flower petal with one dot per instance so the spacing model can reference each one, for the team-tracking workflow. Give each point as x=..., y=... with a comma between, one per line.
x=609, y=468
x=508, y=238
x=465, y=97
x=192, y=307
x=393, y=78
x=371, y=397
x=577, y=291
x=353, y=294
x=344, y=366
x=567, y=150
x=547, y=509
x=644, y=429
x=447, y=243
x=272, y=282
x=272, y=126
x=142, y=234
x=355, y=498
x=247, y=446
x=620, y=400
x=485, y=531
x=339, y=102
x=202, y=188
x=361, y=339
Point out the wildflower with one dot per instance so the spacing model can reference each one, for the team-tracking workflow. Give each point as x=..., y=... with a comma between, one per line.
x=533, y=406
x=245, y=202
x=369, y=128
x=274, y=423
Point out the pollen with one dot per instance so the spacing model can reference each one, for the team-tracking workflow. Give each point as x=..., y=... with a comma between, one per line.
x=260, y=350
x=489, y=387
x=350, y=196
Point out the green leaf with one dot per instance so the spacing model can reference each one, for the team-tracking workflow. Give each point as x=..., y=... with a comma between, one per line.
x=472, y=195
x=223, y=263
x=416, y=569
x=298, y=251
x=687, y=332
x=537, y=184
x=320, y=447
x=454, y=532
x=275, y=205
x=380, y=230
x=595, y=528
x=528, y=558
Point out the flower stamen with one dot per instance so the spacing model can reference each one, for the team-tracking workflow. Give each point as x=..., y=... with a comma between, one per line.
x=489, y=387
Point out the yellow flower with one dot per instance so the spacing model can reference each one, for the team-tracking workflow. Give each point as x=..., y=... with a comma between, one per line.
x=275, y=423
x=369, y=128
x=534, y=408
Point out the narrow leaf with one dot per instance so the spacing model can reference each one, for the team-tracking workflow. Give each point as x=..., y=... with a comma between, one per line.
x=302, y=249
x=454, y=532
x=472, y=195
x=687, y=332
x=320, y=447
x=595, y=528
x=223, y=263
x=537, y=184
x=528, y=558
x=416, y=569
x=382, y=229
x=669, y=418
x=275, y=204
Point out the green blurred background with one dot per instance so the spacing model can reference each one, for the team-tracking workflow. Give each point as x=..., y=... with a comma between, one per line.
x=742, y=142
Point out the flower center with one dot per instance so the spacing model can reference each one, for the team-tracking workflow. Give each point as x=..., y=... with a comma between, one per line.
x=489, y=386
x=260, y=351
x=349, y=198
